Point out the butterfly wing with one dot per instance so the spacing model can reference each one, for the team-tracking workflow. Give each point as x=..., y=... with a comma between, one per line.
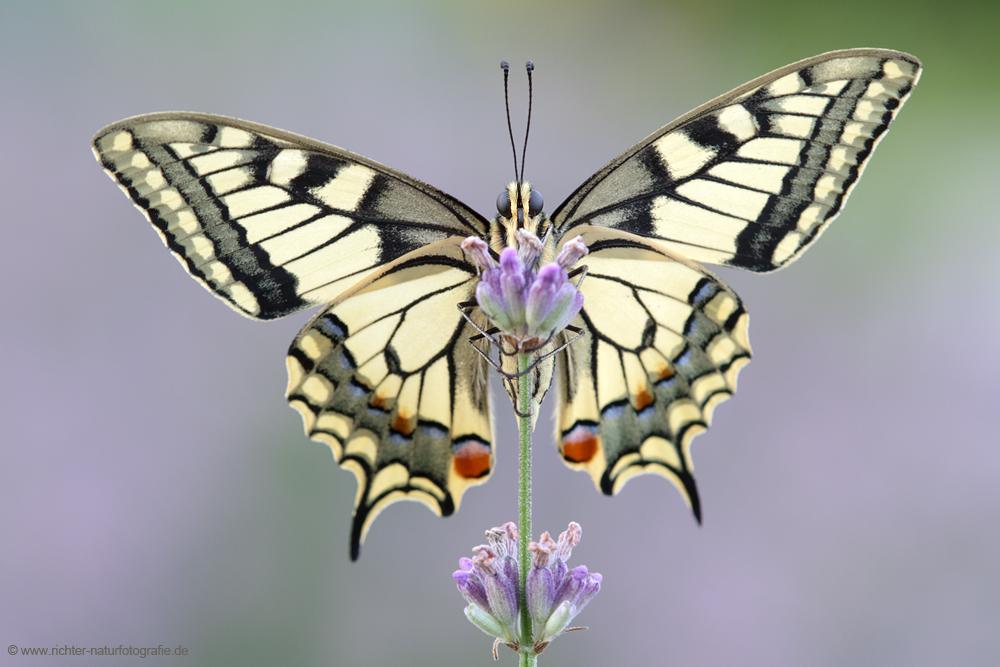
x=753, y=177
x=269, y=221
x=665, y=340
x=386, y=377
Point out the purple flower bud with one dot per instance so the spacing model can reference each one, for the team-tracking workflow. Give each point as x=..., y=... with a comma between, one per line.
x=489, y=582
x=543, y=293
x=591, y=588
x=570, y=586
x=470, y=586
x=552, y=301
x=512, y=284
x=501, y=592
x=540, y=589
x=490, y=296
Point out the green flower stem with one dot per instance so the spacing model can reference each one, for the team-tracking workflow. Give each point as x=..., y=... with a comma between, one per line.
x=528, y=659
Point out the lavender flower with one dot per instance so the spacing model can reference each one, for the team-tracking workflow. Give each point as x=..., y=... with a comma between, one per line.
x=555, y=594
x=529, y=306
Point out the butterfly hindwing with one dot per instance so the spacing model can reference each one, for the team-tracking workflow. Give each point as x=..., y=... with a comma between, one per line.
x=753, y=177
x=269, y=221
x=665, y=340
x=387, y=378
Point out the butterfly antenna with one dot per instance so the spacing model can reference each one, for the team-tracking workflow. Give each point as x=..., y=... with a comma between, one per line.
x=505, y=66
x=529, y=66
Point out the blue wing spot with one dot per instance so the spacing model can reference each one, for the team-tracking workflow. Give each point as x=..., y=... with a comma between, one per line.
x=433, y=430
x=346, y=361
x=702, y=292
x=614, y=410
x=333, y=328
x=397, y=438
x=684, y=357
x=666, y=382
x=691, y=324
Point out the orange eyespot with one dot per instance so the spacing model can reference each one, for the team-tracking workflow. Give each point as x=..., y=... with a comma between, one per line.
x=472, y=460
x=580, y=445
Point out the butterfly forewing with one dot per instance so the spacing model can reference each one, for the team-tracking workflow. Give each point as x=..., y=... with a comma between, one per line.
x=269, y=221
x=753, y=177
x=386, y=377
x=665, y=340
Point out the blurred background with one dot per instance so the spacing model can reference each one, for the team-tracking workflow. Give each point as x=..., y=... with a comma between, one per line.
x=156, y=489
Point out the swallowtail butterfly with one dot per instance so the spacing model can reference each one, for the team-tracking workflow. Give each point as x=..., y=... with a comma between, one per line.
x=272, y=223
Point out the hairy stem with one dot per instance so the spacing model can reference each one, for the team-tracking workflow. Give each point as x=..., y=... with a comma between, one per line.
x=529, y=658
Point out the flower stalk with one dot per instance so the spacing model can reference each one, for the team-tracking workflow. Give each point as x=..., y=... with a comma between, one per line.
x=524, y=498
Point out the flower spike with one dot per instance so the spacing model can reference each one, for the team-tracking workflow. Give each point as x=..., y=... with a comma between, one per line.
x=528, y=306
x=555, y=594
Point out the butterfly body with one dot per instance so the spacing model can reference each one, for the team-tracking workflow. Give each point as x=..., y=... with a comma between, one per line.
x=385, y=375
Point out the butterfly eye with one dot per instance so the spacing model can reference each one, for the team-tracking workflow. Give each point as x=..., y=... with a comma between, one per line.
x=503, y=204
x=535, y=203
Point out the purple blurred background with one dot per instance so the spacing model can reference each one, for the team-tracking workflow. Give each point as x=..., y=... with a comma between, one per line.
x=156, y=489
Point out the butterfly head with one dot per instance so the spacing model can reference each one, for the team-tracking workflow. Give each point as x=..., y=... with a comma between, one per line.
x=518, y=207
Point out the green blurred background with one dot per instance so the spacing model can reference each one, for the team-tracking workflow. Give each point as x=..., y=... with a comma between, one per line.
x=155, y=488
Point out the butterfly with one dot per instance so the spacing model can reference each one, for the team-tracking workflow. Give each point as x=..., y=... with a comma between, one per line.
x=385, y=375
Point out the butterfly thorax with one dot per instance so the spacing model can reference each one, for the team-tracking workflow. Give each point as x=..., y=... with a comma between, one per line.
x=520, y=208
